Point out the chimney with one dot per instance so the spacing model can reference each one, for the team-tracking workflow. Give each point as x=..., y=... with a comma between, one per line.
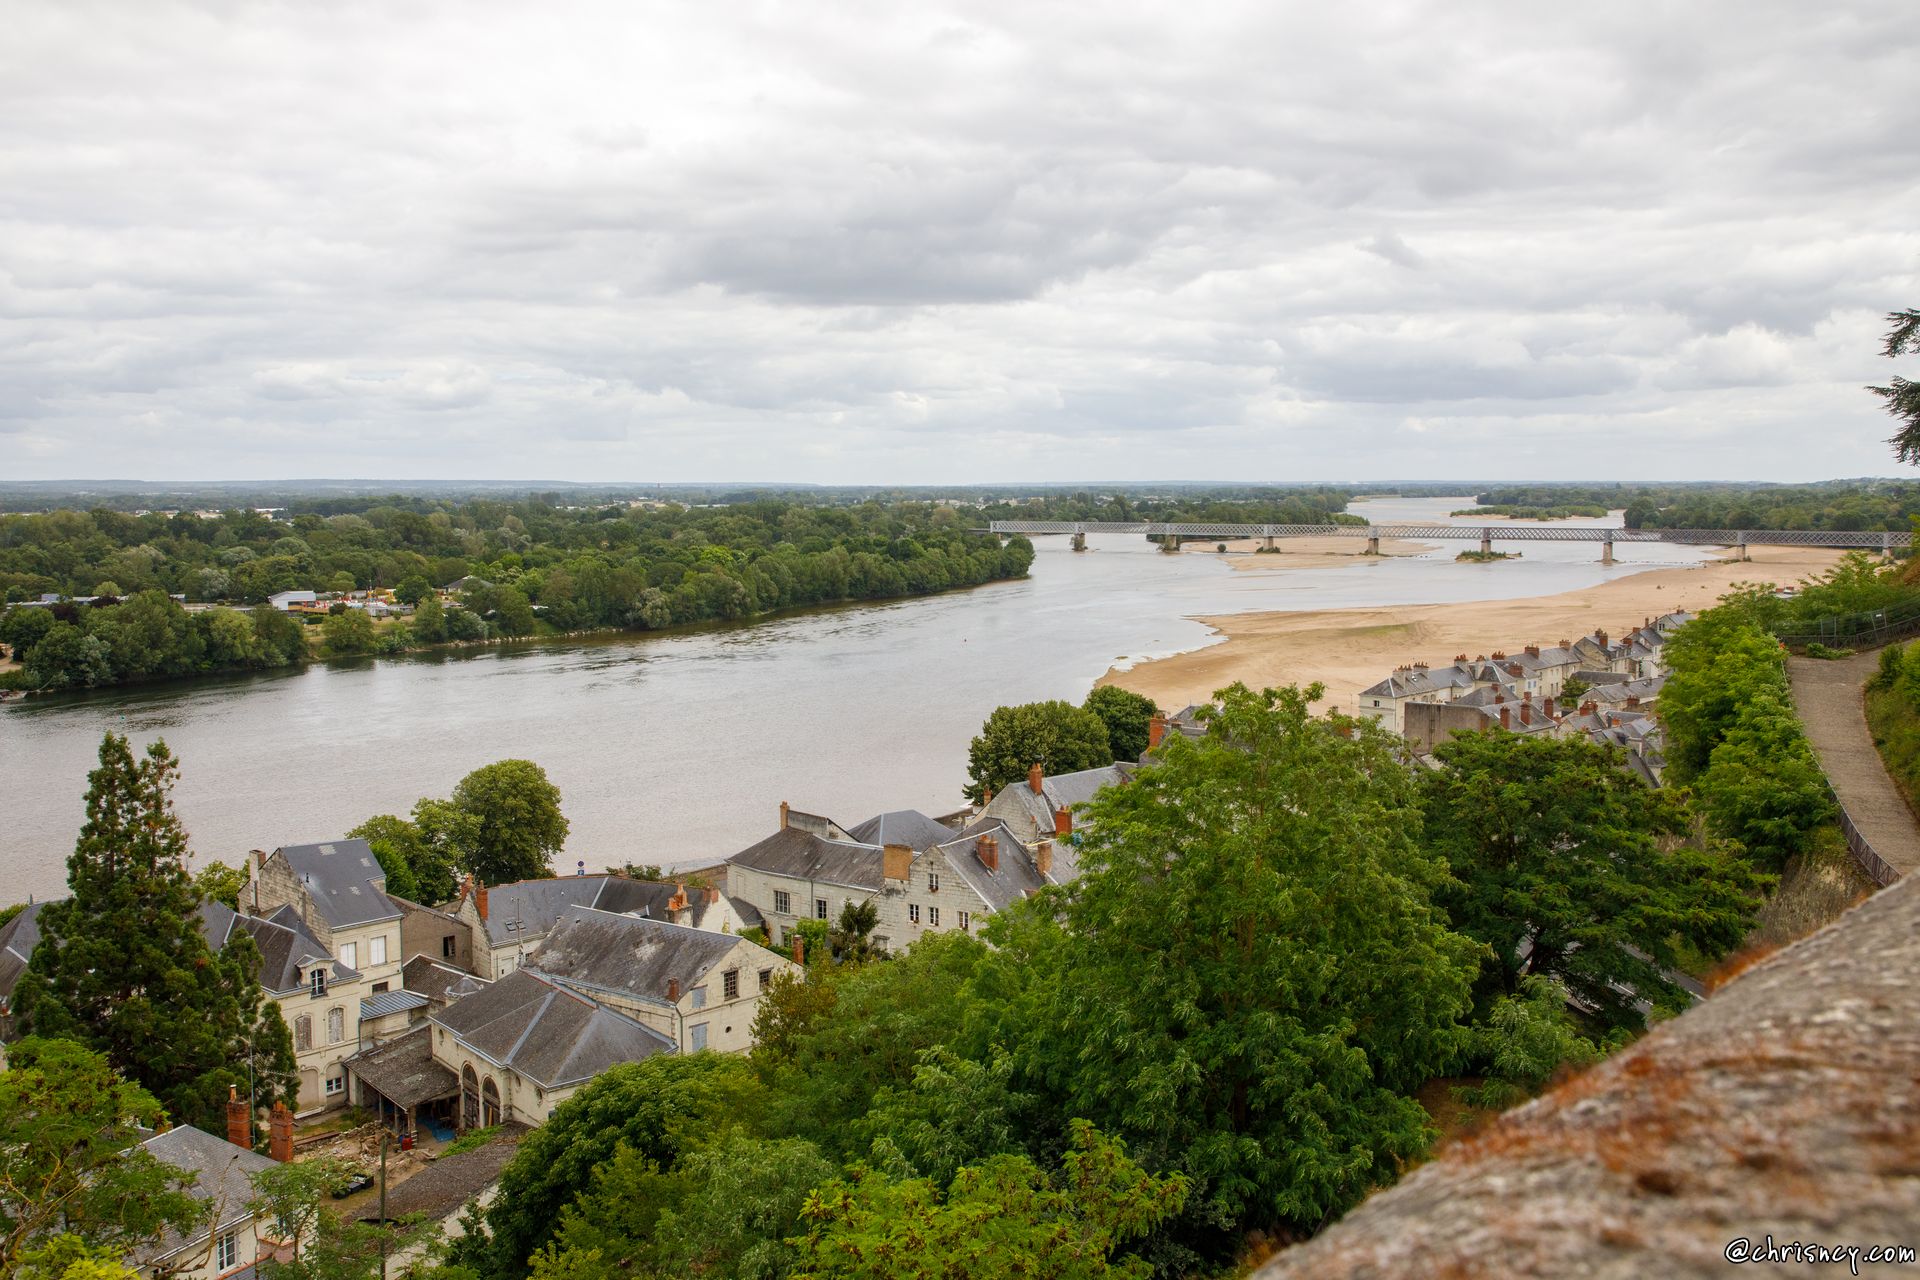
x=1062, y=823
x=280, y=1133
x=1588, y=707
x=799, y=948
x=988, y=848
x=1533, y=651
x=673, y=990
x=1499, y=655
x=1043, y=858
x=1506, y=717
x=986, y=797
x=1156, y=729
x=785, y=810
x=239, y=1121
x=1459, y=657
x=1034, y=779
x=1633, y=701
x=896, y=862
x=1601, y=636
x=710, y=895
x=480, y=898
x=1548, y=704
x=260, y=857
x=1526, y=713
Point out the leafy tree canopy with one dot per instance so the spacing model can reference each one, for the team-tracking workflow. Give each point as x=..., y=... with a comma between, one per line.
x=1902, y=396
x=1058, y=736
x=516, y=823
x=1127, y=716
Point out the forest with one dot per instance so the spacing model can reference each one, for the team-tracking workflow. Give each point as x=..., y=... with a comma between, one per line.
x=1845, y=505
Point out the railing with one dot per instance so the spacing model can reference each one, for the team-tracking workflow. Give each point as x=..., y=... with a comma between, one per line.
x=1867, y=630
x=1862, y=849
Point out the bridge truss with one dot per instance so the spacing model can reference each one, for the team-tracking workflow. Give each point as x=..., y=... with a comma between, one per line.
x=1869, y=540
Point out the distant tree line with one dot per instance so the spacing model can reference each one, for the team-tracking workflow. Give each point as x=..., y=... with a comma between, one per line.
x=1841, y=505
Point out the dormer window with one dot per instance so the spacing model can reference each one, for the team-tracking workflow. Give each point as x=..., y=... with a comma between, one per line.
x=317, y=982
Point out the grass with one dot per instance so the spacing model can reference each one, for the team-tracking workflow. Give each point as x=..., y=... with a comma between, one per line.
x=1816, y=887
x=471, y=1140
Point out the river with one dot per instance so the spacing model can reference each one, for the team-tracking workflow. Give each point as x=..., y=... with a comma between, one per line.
x=678, y=748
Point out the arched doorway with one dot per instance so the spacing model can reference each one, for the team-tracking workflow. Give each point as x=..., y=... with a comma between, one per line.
x=469, y=1098
x=489, y=1103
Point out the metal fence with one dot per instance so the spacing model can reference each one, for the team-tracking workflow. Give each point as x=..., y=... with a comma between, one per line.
x=1862, y=849
x=1867, y=630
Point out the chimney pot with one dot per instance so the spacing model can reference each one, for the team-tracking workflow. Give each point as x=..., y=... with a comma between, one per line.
x=989, y=850
x=785, y=812
x=1533, y=651
x=1043, y=858
x=1062, y=823
x=1034, y=777
x=673, y=989
x=986, y=797
x=1156, y=729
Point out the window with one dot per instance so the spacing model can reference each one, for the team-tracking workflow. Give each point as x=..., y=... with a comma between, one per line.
x=336, y=1025
x=730, y=985
x=819, y=908
x=965, y=919
x=226, y=1251
x=933, y=917
x=336, y=1084
x=913, y=913
x=317, y=982
x=783, y=902
x=302, y=1033
x=377, y=950
x=933, y=882
x=766, y=979
x=350, y=955
x=446, y=947
x=699, y=995
x=697, y=1036
x=379, y=987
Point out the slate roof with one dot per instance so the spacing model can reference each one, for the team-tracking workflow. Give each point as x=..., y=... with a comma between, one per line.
x=1016, y=876
x=343, y=878
x=593, y=950
x=802, y=855
x=287, y=950
x=386, y=1002
x=17, y=940
x=223, y=1177
x=440, y=983
x=551, y=1035
x=403, y=1070
x=537, y=905
x=909, y=827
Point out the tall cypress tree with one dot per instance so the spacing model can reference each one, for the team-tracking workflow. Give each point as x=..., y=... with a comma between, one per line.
x=123, y=967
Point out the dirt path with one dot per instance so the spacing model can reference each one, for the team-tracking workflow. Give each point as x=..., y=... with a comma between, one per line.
x=1828, y=695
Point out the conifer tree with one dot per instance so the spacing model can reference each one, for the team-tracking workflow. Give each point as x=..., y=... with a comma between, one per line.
x=123, y=967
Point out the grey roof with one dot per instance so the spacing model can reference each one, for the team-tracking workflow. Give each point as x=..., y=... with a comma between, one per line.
x=1016, y=876
x=533, y=907
x=909, y=827
x=17, y=940
x=593, y=950
x=379, y=1006
x=344, y=880
x=440, y=983
x=802, y=855
x=403, y=1070
x=287, y=950
x=223, y=1178
x=552, y=1036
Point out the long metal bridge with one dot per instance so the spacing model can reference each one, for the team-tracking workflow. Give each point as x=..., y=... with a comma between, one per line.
x=1871, y=540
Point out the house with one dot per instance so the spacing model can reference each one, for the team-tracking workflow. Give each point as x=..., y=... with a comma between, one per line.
x=698, y=989
x=340, y=983
x=1042, y=807
x=285, y=600
x=505, y=923
x=526, y=1044
x=921, y=875
x=233, y=1239
x=440, y=983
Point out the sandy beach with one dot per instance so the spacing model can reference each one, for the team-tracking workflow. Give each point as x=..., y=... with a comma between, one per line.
x=1349, y=649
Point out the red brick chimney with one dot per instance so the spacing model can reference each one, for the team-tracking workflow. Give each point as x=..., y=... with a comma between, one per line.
x=1499, y=655
x=1588, y=707
x=673, y=989
x=480, y=899
x=1156, y=730
x=1547, y=702
x=1526, y=711
x=986, y=797
x=280, y=1133
x=1043, y=858
x=710, y=895
x=785, y=811
x=239, y=1120
x=799, y=948
x=1033, y=779
x=1533, y=651
x=1601, y=636
x=1506, y=718
x=1062, y=823
x=989, y=849
x=1632, y=701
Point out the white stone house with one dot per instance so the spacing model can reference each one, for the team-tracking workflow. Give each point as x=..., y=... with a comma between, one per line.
x=233, y=1240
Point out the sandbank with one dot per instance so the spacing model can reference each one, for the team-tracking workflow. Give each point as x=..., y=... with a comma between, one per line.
x=1349, y=649
x=1332, y=551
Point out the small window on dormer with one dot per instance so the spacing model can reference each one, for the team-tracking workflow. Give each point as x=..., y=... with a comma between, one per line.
x=317, y=982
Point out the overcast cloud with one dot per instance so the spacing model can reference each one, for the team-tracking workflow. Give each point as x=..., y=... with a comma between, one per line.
x=894, y=243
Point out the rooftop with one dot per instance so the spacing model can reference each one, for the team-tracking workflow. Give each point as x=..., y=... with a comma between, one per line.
x=344, y=880
x=551, y=1035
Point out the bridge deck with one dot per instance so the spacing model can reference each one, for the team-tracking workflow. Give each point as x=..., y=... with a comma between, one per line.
x=1873, y=540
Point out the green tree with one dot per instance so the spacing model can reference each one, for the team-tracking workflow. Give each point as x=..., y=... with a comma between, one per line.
x=1902, y=396
x=294, y=1199
x=68, y=658
x=658, y=1109
x=413, y=590
x=22, y=628
x=218, y=882
x=1004, y=1217
x=1763, y=787
x=1058, y=736
x=852, y=936
x=430, y=620
x=73, y=1176
x=1525, y=1040
x=1565, y=865
x=1127, y=716
x=123, y=968
x=515, y=821
x=1248, y=981
x=514, y=610
x=348, y=632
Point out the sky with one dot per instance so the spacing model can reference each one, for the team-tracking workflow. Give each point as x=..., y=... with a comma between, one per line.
x=913, y=244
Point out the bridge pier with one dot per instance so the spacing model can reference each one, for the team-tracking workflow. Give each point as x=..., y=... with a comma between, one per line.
x=1606, y=551
x=1886, y=546
x=1079, y=540
x=1486, y=542
x=1741, y=547
x=1269, y=543
x=1373, y=544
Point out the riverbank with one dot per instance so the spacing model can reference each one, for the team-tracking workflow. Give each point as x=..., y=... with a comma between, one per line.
x=1349, y=649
